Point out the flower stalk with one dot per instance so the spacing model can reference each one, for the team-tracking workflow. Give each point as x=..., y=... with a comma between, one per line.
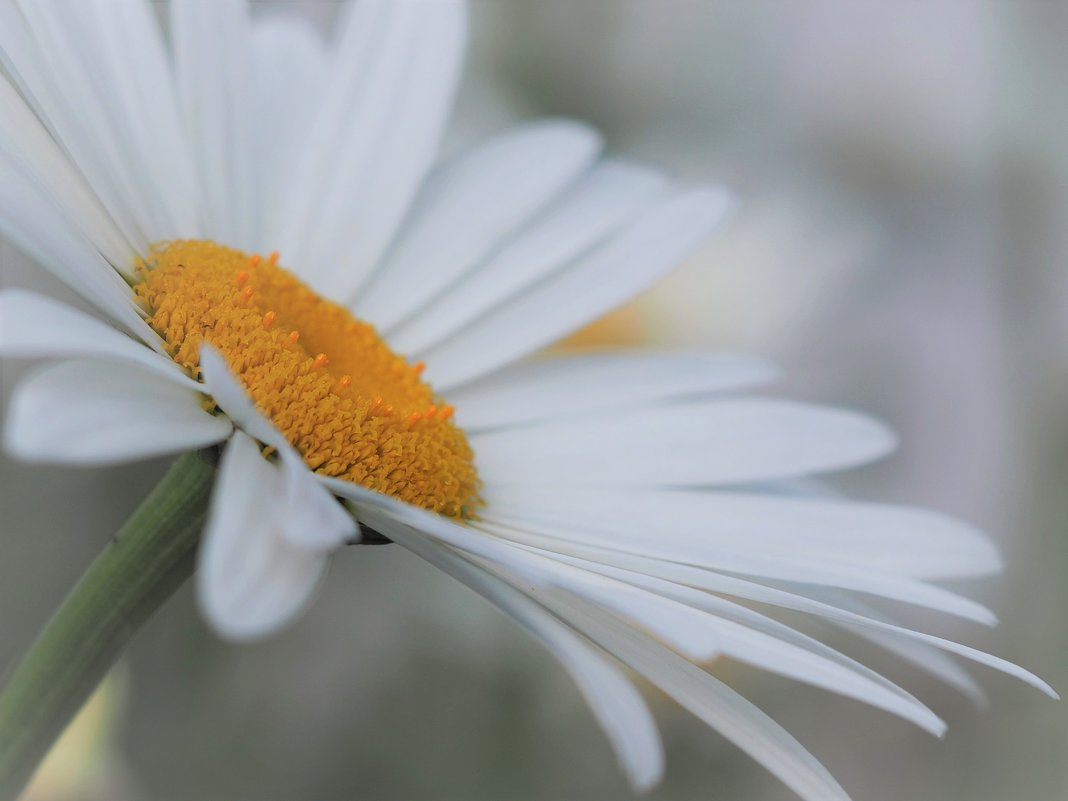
x=150, y=557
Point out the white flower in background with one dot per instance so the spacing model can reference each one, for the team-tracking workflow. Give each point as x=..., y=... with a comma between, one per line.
x=615, y=505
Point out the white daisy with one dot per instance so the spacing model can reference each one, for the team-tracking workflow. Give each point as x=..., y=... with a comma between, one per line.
x=617, y=506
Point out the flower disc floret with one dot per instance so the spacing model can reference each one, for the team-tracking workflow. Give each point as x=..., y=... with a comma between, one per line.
x=353, y=408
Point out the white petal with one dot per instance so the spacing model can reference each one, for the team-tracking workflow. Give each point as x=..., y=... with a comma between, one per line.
x=312, y=520
x=291, y=75
x=761, y=641
x=234, y=400
x=110, y=63
x=628, y=263
x=588, y=212
x=613, y=699
x=468, y=207
x=925, y=657
x=699, y=626
x=709, y=699
x=906, y=590
x=680, y=626
x=35, y=326
x=704, y=443
x=794, y=600
x=685, y=622
x=374, y=139
x=39, y=227
x=26, y=141
x=49, y=78
x=103, y=412
x=569, y=386
x=250, y=582
x=805, y=532
x=500, y=552
x=213, y=60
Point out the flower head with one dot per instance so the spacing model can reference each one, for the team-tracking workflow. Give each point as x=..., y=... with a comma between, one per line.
x=616, y=505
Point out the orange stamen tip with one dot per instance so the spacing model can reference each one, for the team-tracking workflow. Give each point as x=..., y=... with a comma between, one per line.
x=242, y=278
x=254, y=260
x=447, y=412
x=414, y=418
x=320, y=360
x=246, y=293
x=294, y=336
x=387, y=411
x=273, y=258
x=418, y=367
x=268, y=319
x=346, y=381
x=431, y=410
x=375, y=403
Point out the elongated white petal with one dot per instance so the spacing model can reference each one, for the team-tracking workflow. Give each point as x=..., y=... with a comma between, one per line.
x=38, y=226
x=903, y=589
x=680, y=626
x=250, y=581
x=927, y=658
x=468, y=207
x=372, y=143
x=291, y=76
x=587, y=213
x=613, y=699
x=712, y=623
x=310, y=517
x=111, y=65
x=761, y=641
x=234, y=400
x=105, y=412
x=26, y=141
x=313, y=520
x=501, y=553
x=703, y=443
x=696, y=633
x=628, y=263
x=709, y=699
x=805, y=532
x=213, y=61
x=559, y=387
x=35, y=326
x=51, y=82
x=794, y=600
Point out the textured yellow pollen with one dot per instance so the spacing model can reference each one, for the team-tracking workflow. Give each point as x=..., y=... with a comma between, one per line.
x=353, y=409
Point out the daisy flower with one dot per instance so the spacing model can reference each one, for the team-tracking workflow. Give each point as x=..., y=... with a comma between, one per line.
x=624, y=508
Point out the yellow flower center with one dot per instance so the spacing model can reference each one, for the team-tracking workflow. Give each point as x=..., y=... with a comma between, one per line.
x=353, y=408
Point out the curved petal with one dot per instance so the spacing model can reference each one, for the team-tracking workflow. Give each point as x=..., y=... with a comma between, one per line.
x=372, y=143
x=43, y=230
x=699, y=443
x=613, y=699
x=110, y=66
x=35, y=326
x=103, y=412
x=468, y=206
x=798, y=532
x=25, y=140
x=310, y=517
x=291, y=75
x=586, y=214
x=213, y=64
x=709, y=699
x=626, y=264
x=558, y=387
x=250, y=581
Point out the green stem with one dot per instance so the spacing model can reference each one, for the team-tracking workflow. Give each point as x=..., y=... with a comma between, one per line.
x=150, y=557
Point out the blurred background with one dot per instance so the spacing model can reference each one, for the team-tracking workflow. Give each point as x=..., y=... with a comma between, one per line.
x=901, y=246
